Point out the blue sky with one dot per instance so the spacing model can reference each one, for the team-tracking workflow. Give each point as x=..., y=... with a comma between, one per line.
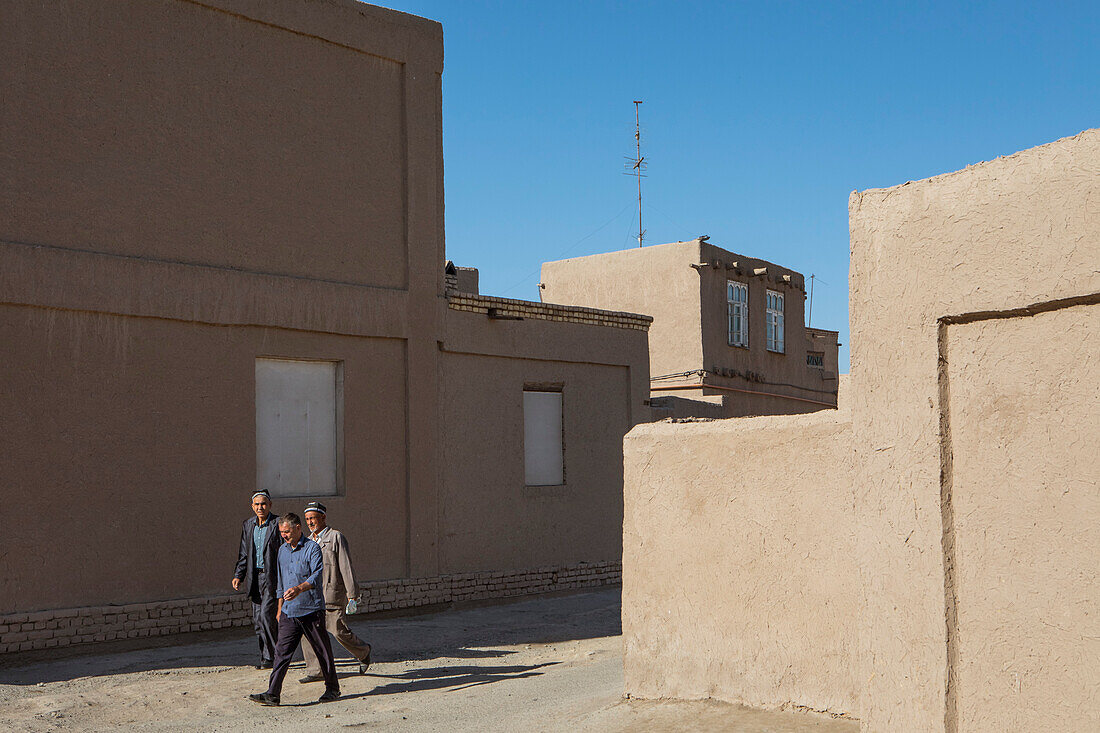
x=758, y=120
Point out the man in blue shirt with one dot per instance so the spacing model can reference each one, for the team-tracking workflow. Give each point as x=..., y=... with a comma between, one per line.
x=301, y=610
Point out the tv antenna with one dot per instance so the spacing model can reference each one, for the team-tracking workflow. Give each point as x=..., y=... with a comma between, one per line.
x=810, y=312
x=637, y=166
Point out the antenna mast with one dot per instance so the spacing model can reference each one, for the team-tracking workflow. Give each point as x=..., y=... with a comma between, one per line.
x=810, y=313
x=638, y=166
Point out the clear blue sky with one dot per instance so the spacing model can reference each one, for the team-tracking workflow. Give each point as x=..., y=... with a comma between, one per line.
x=759, y=119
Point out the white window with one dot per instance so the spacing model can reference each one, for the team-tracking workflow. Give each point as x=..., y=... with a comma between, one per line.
x=775, y=321
x=298, y=427
x=543, y=453
x=737, y=309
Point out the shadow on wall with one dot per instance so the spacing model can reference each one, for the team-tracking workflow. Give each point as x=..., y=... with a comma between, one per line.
x=464, y=633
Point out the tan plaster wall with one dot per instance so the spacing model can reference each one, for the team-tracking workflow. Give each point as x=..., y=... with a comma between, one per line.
x=1001, y=235
x=1025, y=436
x=656, y=281
x=131, y=441
x=740, y=580
x=181, y=132
x=184, y=187
x=488, y=517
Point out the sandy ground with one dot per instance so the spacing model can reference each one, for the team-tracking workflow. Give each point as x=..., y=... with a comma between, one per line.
x=542, y=664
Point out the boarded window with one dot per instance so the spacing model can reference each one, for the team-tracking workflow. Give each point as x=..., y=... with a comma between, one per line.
x=543, y=453
x=297, y=427
x=815, y=358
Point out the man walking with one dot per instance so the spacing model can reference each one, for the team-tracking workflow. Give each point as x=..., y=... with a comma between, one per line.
x=301, y=611
x=255, y=572
x=338, y=587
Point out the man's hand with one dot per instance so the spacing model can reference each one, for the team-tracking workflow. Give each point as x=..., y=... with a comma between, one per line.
x=236, y=583
x=292, y=592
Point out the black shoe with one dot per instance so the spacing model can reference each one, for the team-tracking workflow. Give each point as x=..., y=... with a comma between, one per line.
x=311, y=678
x=263, y=665
x=264, y=698
x=329, y=696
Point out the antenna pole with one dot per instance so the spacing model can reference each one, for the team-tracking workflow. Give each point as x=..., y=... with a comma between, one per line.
x=810, y=314
x=638, y=166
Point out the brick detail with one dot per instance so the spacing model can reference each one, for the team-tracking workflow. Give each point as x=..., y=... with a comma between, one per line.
x=70, y=626
x=509, y=308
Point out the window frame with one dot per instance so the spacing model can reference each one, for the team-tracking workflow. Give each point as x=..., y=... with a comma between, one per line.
x=774, y=319
x=733, y=337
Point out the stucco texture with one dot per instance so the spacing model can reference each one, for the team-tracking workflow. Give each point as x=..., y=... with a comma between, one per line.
x=1025, y=436
x=624, y=281
x=972, y=512
x=185, y=187
x=489, y=518
x=974, y=244
x=133, y=439
x=739, y=570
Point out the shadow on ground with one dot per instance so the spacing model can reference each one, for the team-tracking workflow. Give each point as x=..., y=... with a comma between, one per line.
x=452, y=633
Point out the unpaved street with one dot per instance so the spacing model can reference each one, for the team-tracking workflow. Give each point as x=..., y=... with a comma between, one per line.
x=542, y=664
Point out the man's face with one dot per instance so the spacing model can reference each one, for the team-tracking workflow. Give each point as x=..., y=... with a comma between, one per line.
x=315, y=521
x=262, y=506
x=290, y=533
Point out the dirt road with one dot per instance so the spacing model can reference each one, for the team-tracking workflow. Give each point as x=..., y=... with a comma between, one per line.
x=541, y=664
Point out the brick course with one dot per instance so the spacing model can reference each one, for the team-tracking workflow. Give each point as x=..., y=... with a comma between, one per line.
x=71, y=626
x=510, y=308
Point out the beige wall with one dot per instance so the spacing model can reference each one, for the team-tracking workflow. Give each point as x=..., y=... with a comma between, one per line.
x=961, y=247
x=657, y=281
x=740, y=580
x=1025, y=432
x=180, y=132
x=131, y=441
x=488, y=517
x=186, y=187
x=973, y=512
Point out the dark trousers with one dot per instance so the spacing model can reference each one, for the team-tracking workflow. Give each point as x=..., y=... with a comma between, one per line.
x=263, y=615
x=338, y=627
x=291, y=631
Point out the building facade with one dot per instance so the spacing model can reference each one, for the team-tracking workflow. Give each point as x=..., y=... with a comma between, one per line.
x=728, y=336
x=222, y=267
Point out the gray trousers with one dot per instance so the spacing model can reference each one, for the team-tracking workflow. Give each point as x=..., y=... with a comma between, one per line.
x=337, y=626
x=263, y=616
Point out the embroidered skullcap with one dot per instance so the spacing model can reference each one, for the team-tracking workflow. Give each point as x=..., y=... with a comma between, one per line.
x=263, y=493
x=315, y=506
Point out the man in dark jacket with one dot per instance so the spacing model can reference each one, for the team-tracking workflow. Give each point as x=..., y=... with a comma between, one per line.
x=257, y=567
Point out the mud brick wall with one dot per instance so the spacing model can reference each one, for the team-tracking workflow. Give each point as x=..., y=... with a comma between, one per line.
x=70, y=626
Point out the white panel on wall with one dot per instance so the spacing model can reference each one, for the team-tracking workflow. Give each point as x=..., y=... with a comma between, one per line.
x=296, y=427
x=542, y=443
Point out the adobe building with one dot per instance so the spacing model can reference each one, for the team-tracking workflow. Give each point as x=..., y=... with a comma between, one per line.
x=923, y=558
x=728, y=336
x=222, y=267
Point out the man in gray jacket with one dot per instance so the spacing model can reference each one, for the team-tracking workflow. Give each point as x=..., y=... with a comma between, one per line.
x=338, y=586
